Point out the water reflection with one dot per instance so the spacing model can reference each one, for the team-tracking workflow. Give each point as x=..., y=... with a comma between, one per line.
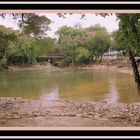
x=51, y=95
x=96, y=85
x=113, y=96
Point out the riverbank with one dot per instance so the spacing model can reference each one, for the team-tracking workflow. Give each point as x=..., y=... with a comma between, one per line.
x=39, y=66
x=118, y=65
x=123, y=66
x=17, y=112
x=127, y=70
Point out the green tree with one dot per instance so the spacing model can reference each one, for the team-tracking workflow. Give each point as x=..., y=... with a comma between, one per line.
x=99, y=43
x=69, y=38
x=82, y=55
x=35, y=25
x=45, y=45
x=128, y=35
x=25, y=50
x=32, y=26
x=8, y=36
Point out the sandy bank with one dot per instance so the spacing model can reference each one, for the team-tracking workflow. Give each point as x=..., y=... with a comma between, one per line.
x=127, y=70
x=111, y=68
x=117, y=65
x=39, y=66
x=123, y=66
x=70, y=113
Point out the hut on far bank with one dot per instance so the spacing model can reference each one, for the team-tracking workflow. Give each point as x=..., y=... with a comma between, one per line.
x=51, y=58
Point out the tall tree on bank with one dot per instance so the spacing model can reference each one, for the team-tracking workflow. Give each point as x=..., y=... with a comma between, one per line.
x=33, y=26
x=69, y=39
x=7, y=37
x=129, y=29
x=99, y=44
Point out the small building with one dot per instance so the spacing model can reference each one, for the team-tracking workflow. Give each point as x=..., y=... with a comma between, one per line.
x=113, y=55
x=51, y=58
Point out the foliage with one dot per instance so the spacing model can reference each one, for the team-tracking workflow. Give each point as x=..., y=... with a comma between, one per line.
x=81, y=45
x=99, y=44
x=131, y=21
x=82, y=55
x=69, y=38
x=45, y=46
x=129, y=30
x=8, y=36
x=35, y=25
x=30, y=41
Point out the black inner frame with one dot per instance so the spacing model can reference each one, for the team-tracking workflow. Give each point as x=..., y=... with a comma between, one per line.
x=75, y=133
x=68, y=6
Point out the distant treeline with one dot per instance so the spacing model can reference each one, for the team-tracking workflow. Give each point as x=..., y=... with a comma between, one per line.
x=77, y=45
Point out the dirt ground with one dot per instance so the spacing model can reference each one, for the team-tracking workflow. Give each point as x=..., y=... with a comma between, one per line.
x=16, y=112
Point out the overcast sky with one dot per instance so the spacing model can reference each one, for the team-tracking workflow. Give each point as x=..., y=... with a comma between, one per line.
x=110, y=22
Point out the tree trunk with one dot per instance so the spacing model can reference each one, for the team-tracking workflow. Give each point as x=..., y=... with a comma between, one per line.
x=131, y=57
x=101, y=57
x=135, y=70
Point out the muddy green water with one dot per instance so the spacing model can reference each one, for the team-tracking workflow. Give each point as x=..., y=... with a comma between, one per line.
x=96, y=85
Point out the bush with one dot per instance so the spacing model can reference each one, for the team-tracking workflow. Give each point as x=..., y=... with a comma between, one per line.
x=3, y=63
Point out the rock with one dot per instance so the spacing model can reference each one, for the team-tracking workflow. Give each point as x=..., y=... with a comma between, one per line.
x=2, y=122
x=36, y=113
x=83, y=105
x=125, y=122
x=78, y=115
x=130, y=114
x=134, y=123
x=15, y=117
x=91, y=113
x=97, y=116
x=115, y=116
x=84, y=115
x=72, y=115
x=90, y=116
x=135, y=107
x=43, y=114
x=103, y=119
x=124, y=110
x=47, y=113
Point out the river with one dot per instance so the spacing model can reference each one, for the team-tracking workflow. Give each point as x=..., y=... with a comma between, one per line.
x=79, y=84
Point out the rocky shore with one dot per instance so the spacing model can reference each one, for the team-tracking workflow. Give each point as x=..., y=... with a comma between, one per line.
x=26, y=113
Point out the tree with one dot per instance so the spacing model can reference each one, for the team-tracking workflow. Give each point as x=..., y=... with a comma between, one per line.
x=7, y=37
x=30, y=23
x=129, y=30
x=99, y=43
x=81, y=45
x=69, y=38
x=34, y=25
x=45, y=45
x=82, y=55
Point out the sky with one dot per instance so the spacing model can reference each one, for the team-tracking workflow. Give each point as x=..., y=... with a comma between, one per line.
x=110, y=22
